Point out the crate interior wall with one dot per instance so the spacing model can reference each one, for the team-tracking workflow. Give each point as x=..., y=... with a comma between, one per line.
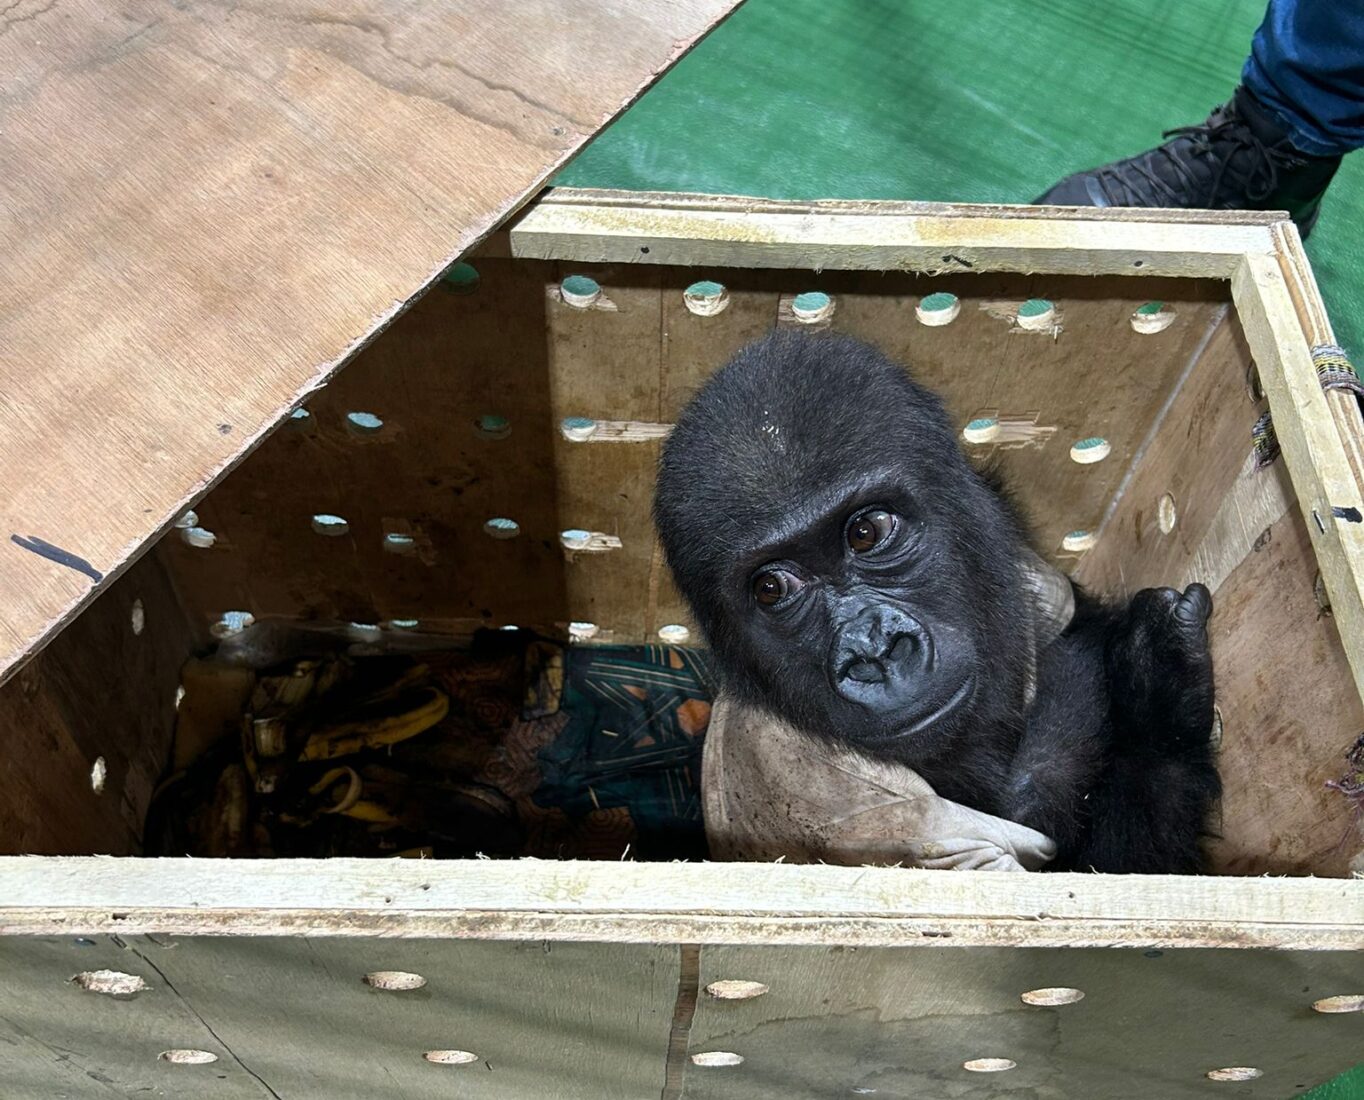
x=478, y=403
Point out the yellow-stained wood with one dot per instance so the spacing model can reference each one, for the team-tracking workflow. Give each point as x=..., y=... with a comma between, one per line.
x=208, y=210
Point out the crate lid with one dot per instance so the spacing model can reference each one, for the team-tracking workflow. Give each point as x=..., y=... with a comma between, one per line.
x=207, y=211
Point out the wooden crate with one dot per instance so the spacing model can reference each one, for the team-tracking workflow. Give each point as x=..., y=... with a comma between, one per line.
x=503, y=393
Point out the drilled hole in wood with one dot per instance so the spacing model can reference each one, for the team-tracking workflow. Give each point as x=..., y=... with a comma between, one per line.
x=188, y=519
x=579, y=429
x=99, y=772
x=1235, y=1073
x=575, y=538
x=812, y=306
x=706, y=298
x=938, y=309
x=462, y=278
x=299, y=418
x=330, y=526
x=403, y=624
x=231, y=622
x=583, y=631
x=492, y=426
x=1152, y=317
x=717, y=1058
x=984, y=429
x=989, y=1065
x=509, y=626
x=735, y=989
x=580, y=291
x=185, y=1056
x=1053, y=995
x=1088, y=451
x=1348, y=1002
x=198, y=537
x=394, y=980
x=500, y=527
x=451, y=1057
x=137, y=617
x=1077, y=542
x=1036, y=315
x=674, y=633
x=1166, y=514
x=364, y=423
x=364, y=632
x=395, y=542
x=112, y=983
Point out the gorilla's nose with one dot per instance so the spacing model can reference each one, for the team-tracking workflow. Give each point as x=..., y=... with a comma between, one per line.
x=878, y=653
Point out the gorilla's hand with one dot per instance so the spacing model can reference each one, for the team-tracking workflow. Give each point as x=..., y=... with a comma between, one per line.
x=1160, y=669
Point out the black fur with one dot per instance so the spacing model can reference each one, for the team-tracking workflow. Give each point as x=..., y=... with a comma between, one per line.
x=910, y=650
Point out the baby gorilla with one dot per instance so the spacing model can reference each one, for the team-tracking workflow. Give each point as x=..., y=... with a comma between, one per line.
x=855, y=576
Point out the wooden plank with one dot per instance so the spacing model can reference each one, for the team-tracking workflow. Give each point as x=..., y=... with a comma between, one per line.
x=1329, y=492
x=728, y=231
x=887, y=1022
x=295, y=1018
x=672, y=902
x=209, y=210
x=101, y=693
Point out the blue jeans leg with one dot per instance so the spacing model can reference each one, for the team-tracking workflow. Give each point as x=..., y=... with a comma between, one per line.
x=1307, y=67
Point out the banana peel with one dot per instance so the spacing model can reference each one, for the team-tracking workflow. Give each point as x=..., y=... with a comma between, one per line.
x=414, y=711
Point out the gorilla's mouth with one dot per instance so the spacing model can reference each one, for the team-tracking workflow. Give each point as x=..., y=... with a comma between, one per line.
x=957, y=699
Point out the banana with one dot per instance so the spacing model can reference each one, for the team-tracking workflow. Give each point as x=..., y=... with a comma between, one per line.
x=346, y=738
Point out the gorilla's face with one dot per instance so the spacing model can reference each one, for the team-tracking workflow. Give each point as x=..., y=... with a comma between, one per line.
x=856, y=618
x=850, y=570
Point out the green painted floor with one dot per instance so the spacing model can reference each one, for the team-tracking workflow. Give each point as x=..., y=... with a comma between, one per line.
x=972, y=101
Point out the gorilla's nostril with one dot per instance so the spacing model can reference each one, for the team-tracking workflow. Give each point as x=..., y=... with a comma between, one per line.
x=903, y=648
x=866, y=672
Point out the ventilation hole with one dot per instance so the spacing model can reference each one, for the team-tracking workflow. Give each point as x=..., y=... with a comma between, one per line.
x=451, y=1057
x=462, y=278
x=499, y=527
x=198, y=537
x=403, y=624
x=580, y=291
x=231, y=622
x=491, y=426
x=1036, y=315
x=1052, y=995
x=811, y=307
x=137, y=617
x=938, y=309
x=981, y=430
x=112, y=983
x=394, y=980
x=674, y=633
x=989, y=1065
x=575, y=538
x=179, y=696
x=583, y=632
x=364, y=423
x=1349, y=1002
x=395, y=542
x=188, y=519
x=99, y=772
x=1166, y=516
x=1091, y=450
x=324, y=523
x=509, y=626
x=578, y=428
x=706, y=298
x=1078, y=541
x=83, y=941
x=188, y=1057
x=734, y=989
x=1152, y=317
x=1235, y=1073
x=299, y=417
x=364, y=632
x=717, y=1058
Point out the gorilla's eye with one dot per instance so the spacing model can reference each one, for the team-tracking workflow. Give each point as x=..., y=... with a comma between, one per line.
x=771, y=586
x=868, y=530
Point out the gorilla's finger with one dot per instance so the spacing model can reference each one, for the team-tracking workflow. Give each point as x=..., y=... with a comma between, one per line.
x=1195, y=606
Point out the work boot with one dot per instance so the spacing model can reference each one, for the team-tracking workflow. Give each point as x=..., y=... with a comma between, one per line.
x=1239, y=159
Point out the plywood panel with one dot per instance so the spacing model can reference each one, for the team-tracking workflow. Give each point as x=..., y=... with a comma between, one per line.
x=208, y=209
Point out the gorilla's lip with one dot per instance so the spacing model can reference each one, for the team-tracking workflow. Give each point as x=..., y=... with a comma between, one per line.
x=957, y=698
